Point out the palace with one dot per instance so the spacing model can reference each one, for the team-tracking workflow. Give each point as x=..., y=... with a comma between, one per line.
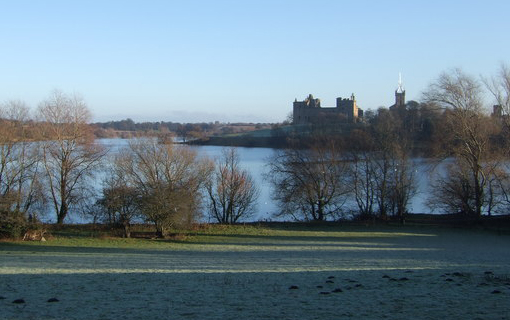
x=309, y=111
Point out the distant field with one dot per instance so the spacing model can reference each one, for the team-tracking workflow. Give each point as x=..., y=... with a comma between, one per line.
x=261, y=272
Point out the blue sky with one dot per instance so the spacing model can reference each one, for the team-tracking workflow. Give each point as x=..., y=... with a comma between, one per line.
x=240, y=60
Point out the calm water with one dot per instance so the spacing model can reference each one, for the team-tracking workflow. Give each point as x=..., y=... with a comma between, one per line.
x=255, y=161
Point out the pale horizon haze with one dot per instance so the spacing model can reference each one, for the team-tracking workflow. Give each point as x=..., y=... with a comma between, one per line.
x=230, y=61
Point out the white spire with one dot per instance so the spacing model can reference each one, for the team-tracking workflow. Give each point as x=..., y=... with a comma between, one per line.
x=400, y=88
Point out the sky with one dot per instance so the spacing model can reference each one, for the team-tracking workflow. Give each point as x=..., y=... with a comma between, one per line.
x=234, y=60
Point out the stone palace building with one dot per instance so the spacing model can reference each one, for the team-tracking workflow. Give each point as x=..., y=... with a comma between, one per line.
x=310, y=111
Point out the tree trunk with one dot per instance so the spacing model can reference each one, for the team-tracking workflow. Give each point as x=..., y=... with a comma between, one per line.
x=62, y=213
x=161, y=231
x=127, y=231
x=320, y=211
x=478, y=196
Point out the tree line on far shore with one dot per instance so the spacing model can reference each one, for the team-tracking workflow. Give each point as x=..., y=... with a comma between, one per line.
x=50, y=161
x=128, y=128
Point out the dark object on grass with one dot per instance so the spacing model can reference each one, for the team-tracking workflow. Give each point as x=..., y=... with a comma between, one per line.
x=448, y=279
x=337, y=290
x=18, y=301
x=293, y=287
x=496, y=292
x=488, y=273
x=386, y=276
x=330, y=281
x=331, y=277
x=409, y=271
x=53, y=300
x=359, y=285
x=320, y=287
x=403, y=279
x=2, y=298
x=324, y=292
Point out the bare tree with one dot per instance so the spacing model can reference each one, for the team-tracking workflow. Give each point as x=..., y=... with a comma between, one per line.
x=19, y=165
x=362, y=173
x=231, y=189
x=403, y=183
x=69, y=154
x=120, y=202
x=468, y=137
x=20, y=190
x=384, y=134
x=167, y=179
x=390, y=166
x=310, y=183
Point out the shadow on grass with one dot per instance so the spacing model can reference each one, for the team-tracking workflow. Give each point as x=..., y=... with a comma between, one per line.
x=359, y=239
x=198, y=242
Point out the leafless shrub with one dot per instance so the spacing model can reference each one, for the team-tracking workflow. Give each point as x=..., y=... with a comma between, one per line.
x=310, y=184
x=231, y=190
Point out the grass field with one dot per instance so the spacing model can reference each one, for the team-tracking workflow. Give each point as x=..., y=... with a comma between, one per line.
x=254, y=272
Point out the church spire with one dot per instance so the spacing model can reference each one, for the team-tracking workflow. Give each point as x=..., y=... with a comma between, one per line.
x=400, y=93
x=400, y=88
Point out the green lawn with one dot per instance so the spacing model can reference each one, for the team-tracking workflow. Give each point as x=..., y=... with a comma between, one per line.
x=88, y=236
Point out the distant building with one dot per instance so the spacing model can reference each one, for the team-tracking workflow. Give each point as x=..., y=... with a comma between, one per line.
x=400, y=96
x=310, y=111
